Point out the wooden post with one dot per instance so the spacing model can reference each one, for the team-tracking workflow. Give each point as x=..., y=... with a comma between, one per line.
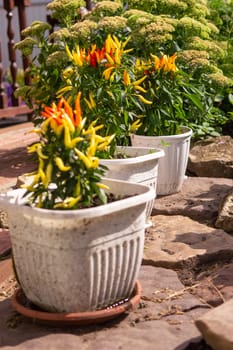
x=17, y=108
x=3, y=96
x=9, y=7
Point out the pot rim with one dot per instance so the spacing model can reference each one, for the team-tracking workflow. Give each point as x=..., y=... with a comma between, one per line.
x=186, y=132
x=138, y=194
x=148, y=154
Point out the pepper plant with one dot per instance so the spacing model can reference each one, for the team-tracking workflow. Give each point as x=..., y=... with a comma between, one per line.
x=171, y=99
x=68, y=174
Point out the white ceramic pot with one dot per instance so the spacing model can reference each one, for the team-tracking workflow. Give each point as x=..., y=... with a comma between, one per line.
x=79, y=260
x=140, y=166
x=172, y=167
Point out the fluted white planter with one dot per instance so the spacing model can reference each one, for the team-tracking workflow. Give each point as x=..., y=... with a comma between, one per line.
x=173, y=166
x=140, y=166
x=79, y=260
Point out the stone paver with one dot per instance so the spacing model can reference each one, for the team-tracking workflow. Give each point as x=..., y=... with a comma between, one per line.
x=176, y=241
x=199, y=199
x=216, y=326
x=212, y=157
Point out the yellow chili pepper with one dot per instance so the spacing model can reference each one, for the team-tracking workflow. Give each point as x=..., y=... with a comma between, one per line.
x=69, y=54
x=60, y=164
x=40, y=202
x=98, y=127
x=43, y=177
x=30, y=187
x=110, y=138
x=92, y=148
x=139, y=81
x=33, y=148
x=36, y=131
x=91, y=128
x=63, y=90
x=53, y=125
x=67, y=72
x=102, y=146
x=116, y=41
x=59, y=130
x=83, y=158
x=111, y=94
x=48, y=173
x=95, y=162
x=87, y=102
x=30, y=174
x=117, y=56
x=77, y=57
x=139, y=88
x=99, y=138
x=144, y=100
x=67, y=121
x=45, y=124
x=67, y=138
x=112, y=77
x=40, y=154
x=135, y=125
x=92, y=101
x=110, y=59
x=126, y=42
x=108, y=43
x=78, y=187
x=103, y=186
x=107, y=73
x=68, y=203
x=74, y=142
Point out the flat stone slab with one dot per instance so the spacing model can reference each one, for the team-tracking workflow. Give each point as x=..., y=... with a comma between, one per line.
x=177, y=241
x=199, y=199
x=212, y=157
x=165, y=318
x=216, y=326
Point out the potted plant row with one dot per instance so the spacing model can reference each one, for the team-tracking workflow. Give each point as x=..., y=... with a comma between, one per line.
x=129, y=95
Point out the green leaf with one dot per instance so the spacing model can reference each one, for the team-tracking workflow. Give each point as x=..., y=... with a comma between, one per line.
x=195, y=100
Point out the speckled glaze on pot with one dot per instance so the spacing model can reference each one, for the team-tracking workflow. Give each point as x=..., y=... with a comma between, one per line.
x=140, y=166
x=79, y=260
x=172, y=167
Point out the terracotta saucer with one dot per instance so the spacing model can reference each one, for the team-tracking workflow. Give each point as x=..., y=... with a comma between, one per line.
x=21, y=304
